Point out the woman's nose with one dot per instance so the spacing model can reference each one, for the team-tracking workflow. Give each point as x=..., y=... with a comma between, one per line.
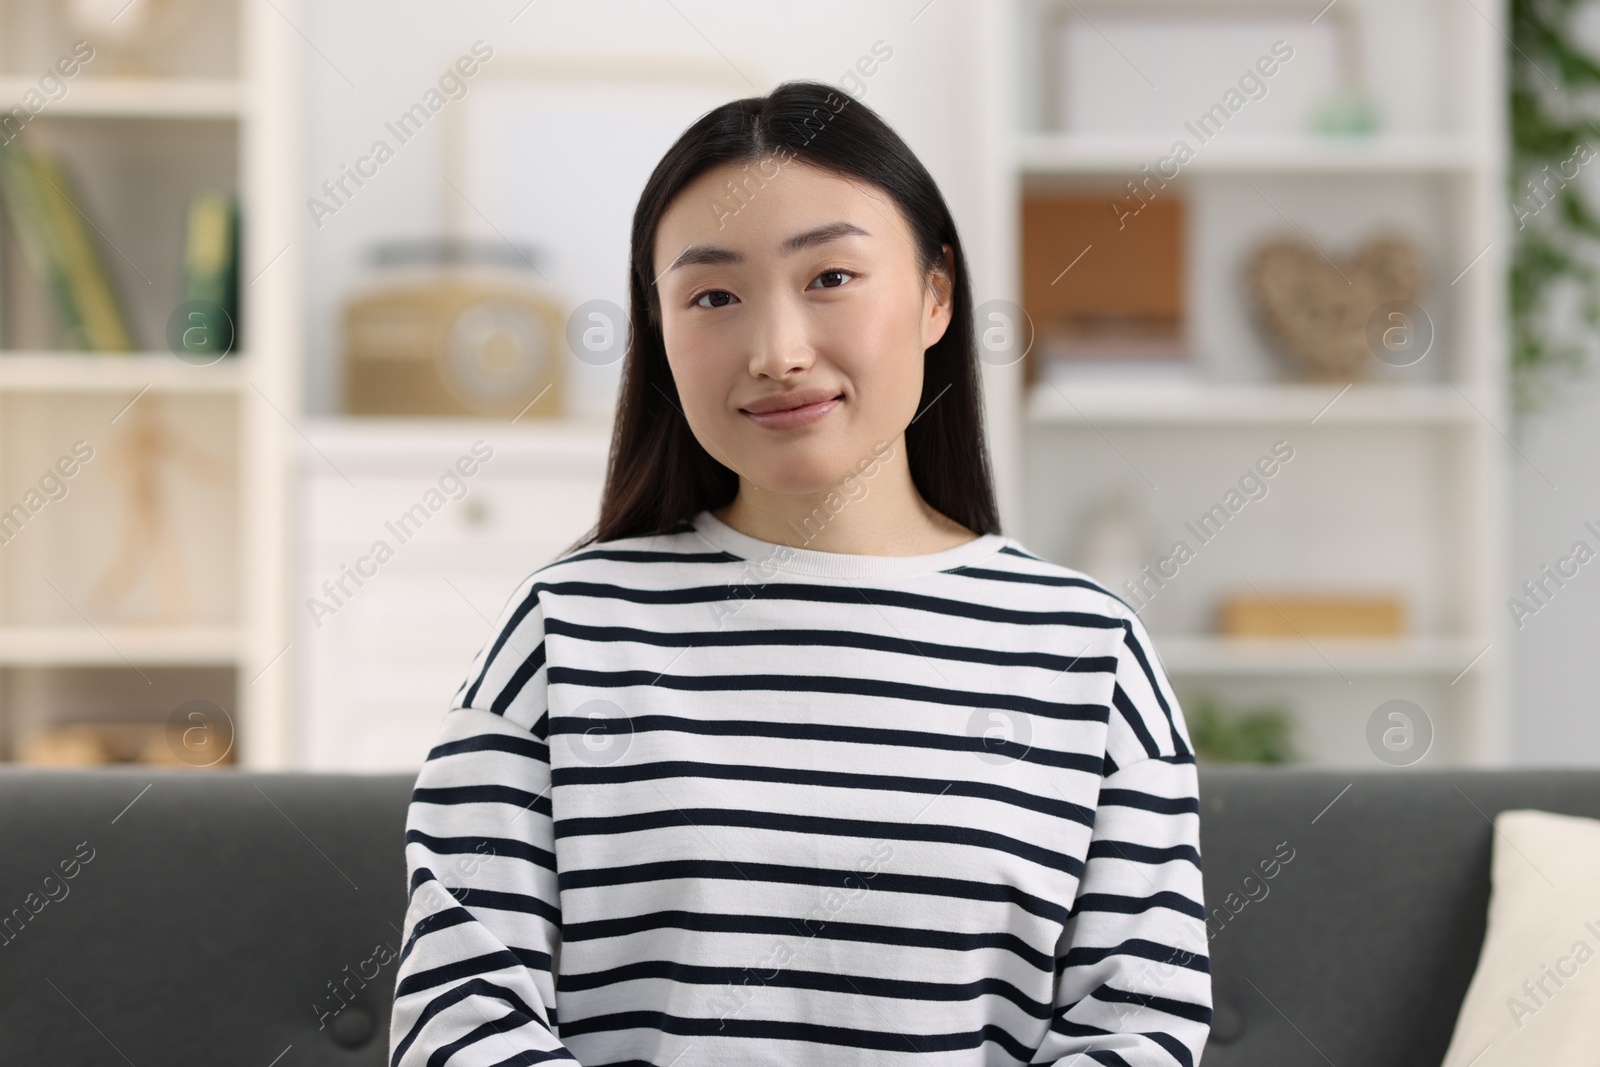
x=780, y=340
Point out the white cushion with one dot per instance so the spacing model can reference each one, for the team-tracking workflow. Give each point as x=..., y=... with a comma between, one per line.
x=1535, y=997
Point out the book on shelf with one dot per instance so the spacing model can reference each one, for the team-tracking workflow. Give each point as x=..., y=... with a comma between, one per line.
x=61, y=251
x=211, y=271
x=1105, y=290
x=1296, y=614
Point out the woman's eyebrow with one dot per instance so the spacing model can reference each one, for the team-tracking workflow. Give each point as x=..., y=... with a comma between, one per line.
x=696, y=255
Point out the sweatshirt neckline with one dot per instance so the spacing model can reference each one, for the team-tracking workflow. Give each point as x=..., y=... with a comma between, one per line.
x=840, y=564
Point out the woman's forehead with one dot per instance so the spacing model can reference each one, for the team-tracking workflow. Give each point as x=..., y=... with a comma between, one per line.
x=768, y=217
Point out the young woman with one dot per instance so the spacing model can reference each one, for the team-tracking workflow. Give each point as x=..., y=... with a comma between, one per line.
x=796, y=759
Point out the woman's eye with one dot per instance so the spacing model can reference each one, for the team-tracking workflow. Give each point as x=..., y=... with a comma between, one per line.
x=696, y=302
x=699, y=299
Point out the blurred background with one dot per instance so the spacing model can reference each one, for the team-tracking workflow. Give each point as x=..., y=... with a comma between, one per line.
x=312, y=318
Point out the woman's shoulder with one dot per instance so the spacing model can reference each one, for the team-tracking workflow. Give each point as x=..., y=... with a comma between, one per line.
x=638, y=558
x=1049, y=582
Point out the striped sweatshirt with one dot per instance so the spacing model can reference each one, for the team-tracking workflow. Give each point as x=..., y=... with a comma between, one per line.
x=704, y=799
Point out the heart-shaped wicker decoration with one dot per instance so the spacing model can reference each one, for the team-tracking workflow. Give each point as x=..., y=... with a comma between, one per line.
x=1317, y=316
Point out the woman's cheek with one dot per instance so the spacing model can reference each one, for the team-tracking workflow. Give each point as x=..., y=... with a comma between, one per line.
x=700, y=385
x=886, y=365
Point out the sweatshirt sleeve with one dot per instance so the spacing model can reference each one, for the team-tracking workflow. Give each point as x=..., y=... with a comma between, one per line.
x=482, y=935
x=1133, y=973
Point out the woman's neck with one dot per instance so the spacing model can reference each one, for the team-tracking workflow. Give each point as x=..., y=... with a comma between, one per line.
x=883, y=516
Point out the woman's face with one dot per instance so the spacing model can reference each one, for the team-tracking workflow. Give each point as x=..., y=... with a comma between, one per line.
x=806, y=292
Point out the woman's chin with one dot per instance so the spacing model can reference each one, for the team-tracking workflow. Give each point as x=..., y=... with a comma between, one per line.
x=787, y=467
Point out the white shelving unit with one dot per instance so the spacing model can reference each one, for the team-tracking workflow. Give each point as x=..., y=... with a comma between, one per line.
x=1261, y=404
x=1050, y=155
x=68, y=372
x=215, y=106
x=1401, y=480
x=141, y=98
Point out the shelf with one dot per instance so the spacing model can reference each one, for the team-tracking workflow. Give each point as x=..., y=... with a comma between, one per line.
x=378, y=445
x=1186, y=403
x=1235, y=656
x=154, y=98
x=1058, y=154
x=114, y=372
x=117, y=646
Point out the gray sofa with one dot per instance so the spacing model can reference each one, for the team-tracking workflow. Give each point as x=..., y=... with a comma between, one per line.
x=254, y=919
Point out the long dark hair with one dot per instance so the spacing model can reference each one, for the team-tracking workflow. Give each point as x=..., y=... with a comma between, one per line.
x=658, y=474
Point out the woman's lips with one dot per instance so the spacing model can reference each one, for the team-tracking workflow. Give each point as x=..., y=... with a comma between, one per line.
x=804, y=415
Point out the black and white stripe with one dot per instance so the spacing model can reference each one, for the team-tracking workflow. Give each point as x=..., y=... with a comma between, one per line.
x=678, y=815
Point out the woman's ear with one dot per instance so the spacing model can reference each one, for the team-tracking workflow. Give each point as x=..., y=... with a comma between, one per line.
x=941, y=288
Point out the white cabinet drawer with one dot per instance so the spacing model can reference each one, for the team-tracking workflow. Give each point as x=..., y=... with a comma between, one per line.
x=380, y=658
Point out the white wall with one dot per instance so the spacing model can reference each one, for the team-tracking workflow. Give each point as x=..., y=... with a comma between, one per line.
x=1556, y=672
x=1555, y=489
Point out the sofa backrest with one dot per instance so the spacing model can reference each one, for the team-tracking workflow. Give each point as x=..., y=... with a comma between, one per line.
x=219, y=918
x=225, y=917
x=1359, y=949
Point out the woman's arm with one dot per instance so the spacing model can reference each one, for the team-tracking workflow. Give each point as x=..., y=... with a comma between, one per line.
x=1133, y=971
x=483, y=927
